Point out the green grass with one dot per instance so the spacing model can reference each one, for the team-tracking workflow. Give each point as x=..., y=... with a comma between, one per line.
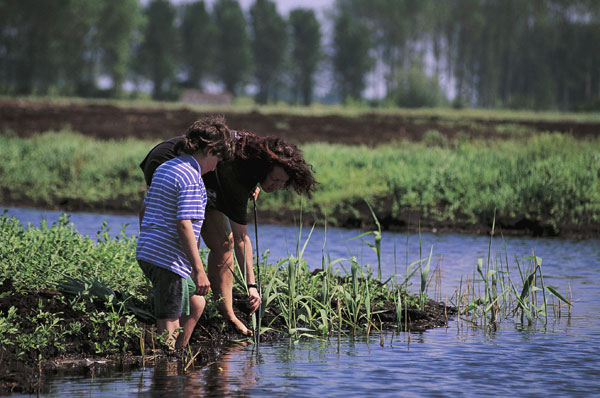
x=66, y=167
x=551, y=179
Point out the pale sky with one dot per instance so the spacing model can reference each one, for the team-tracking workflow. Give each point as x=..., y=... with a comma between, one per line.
x=283, y=6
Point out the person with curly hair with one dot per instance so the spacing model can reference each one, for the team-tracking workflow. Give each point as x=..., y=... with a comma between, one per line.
x=171, y=219
x=259, y=163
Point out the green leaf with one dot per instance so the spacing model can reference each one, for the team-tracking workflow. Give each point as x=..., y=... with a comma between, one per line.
x=555, y=293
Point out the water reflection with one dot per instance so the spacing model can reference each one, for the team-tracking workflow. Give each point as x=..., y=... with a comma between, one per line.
x=231, y=374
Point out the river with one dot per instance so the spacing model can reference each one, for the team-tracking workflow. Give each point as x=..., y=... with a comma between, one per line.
x=560, y=358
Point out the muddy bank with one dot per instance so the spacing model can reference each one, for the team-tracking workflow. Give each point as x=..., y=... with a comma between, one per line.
x=108, y=121
x=27, y=371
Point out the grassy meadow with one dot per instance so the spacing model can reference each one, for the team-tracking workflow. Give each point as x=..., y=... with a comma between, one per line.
x=550, y=179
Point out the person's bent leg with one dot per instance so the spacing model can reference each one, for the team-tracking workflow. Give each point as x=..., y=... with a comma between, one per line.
x=219, y=239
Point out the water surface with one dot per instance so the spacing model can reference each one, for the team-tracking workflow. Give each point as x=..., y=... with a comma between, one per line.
x=560, y=358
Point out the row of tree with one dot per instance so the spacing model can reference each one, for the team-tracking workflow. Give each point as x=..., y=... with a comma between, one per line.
x=542, y=54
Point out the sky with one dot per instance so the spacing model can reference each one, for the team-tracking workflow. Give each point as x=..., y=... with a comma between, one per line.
x=283, y=6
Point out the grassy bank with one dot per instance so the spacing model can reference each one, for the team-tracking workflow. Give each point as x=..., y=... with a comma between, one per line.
x=549, y=179
x=64, y=296
x=544, y=181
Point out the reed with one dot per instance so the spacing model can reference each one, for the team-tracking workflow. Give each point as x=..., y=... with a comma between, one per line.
x=495, y=296
x=376, y=245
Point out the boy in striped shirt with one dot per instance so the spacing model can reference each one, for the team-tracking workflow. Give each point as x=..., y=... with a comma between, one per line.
x=170, y=223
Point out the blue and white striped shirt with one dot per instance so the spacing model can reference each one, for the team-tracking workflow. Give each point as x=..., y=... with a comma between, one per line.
x=177, y=193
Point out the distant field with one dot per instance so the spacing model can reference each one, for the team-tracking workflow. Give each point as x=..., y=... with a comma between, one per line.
x=333, y=124
x=243, y=105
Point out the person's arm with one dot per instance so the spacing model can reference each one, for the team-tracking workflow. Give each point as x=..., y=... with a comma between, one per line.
x=189, y=244
x=243, y=250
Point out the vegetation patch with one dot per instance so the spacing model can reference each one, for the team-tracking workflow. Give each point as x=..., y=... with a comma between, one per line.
x=68, y=301
x=65, y=298
x=541, y=184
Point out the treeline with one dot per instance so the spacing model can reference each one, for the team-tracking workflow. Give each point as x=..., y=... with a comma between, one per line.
x=538, y=54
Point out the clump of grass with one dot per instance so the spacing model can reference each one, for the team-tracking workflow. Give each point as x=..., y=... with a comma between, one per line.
x=103, y=281
x=495, y=295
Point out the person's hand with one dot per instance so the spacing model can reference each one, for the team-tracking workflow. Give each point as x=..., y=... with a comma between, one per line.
x=253, y=300
x=202, y=283
x=255, y=192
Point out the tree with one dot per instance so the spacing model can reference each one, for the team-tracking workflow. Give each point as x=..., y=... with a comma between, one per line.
x=28, y=33
x=306, y=52
x=269, y=42
x=233, y=51
x=398, y=28
x=48, y=46
x=198, y=33
x=351, y=59
x=119, y=22
x=78, y=48
x=157, y=57
x=415, y=89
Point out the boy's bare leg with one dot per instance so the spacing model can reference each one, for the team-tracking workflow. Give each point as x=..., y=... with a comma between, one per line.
x=170, y=325
x=188, y=322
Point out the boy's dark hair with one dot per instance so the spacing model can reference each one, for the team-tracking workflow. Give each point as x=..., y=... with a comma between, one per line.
x=208, y=133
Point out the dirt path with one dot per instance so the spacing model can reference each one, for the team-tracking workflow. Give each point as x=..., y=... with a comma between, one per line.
x=108, y=121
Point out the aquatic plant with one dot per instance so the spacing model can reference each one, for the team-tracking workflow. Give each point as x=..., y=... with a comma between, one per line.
x=494, y=295
x=376, y=245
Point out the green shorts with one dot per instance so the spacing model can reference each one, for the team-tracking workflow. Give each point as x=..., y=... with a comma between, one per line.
x=171, y=291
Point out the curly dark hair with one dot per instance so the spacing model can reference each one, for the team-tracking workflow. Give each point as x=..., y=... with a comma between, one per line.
x=272, y=151
x=210, y=132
